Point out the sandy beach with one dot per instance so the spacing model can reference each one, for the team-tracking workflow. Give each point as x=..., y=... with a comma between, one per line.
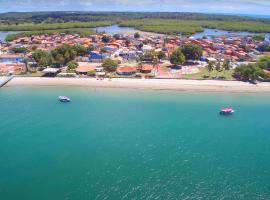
x=153, y=84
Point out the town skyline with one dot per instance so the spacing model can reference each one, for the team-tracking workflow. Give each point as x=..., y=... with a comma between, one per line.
x=241, y=7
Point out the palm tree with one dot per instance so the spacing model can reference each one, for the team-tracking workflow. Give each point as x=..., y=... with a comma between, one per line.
x=210, y=66
x=226, y=65
x=25, y=61
x=218, y=68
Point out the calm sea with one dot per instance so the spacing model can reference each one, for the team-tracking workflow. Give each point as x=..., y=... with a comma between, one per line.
x=128, y=144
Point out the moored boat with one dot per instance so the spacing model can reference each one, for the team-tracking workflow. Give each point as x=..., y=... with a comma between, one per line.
x=225, y=111
x=64, y=99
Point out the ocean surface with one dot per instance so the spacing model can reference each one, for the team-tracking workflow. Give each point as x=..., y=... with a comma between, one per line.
x=129, y=144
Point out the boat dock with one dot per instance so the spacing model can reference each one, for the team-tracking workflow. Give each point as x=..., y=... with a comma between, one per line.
x=4, y=80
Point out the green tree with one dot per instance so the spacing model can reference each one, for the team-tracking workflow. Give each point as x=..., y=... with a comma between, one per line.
x=192, y=51
x=218, y=67
x=63, y=54
x=105, y=39
x=258, y=37
x=72, y=65
x=210, y=66
x=250, y=72
x=177, y=57
x=148, y=56
x=80, y=50
x=264, y=62
x=226, y=65
x=137, y=35
x=91, y=48
x=127, y=42
x=42, y=58
x=109, y=65
x=161, y=55
x=20, y=50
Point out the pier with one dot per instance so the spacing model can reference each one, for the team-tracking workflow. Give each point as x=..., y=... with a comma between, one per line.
x=5, y=80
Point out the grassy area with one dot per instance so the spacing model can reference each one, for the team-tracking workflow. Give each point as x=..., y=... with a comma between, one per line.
x=188, y=27
x=204, y=74
x=80, y=31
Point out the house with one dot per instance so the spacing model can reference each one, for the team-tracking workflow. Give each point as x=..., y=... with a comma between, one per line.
x=146, y=48
x=146, y=69
x=84, y=68
x=95, y=56
x=126, y=70
x=110, y=49
x=50, y=72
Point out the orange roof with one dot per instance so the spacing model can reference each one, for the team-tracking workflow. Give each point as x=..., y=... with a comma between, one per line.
x=126, y=69
x=85, y=68
x=147, y=67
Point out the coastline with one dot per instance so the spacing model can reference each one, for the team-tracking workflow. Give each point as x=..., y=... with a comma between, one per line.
x=147, y=84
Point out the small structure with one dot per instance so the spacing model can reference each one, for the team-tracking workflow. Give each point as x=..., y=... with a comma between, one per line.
x=50, y=72
x=147, y=69
x=126, y=70
x=84, y=68
x=95, y=56
x=10, y=58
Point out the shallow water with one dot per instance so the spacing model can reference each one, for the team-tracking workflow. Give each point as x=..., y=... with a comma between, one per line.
x=4, y=34
x=129, y=144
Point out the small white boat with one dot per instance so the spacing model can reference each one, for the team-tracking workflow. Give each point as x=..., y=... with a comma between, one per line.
x=64, y=99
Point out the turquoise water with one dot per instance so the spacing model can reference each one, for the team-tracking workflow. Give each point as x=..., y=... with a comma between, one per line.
x=118, y=144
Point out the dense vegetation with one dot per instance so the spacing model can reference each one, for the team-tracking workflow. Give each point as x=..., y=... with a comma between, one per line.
x=60, y=56
x=109, y=65
x=52, y=26
x=56, y=17
x=186, y=52
x=159, y=22
x=187, y=27
x=255, y=71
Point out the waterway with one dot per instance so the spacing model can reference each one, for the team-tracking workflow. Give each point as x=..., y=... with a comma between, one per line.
x=129, y=144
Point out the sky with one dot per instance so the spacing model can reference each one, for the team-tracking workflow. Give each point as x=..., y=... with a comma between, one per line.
x=255, y=7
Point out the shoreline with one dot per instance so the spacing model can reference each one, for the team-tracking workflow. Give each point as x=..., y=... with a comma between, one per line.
x=145, y=84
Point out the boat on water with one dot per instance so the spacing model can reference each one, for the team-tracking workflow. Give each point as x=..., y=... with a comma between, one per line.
x=226, y=111
x=64, y=99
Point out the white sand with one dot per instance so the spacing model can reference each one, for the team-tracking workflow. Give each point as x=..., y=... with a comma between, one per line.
x=155, y=84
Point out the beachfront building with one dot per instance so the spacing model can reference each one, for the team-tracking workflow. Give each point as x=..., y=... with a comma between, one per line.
x=50, y=72
x=126, y=70
x=85, y=68
x=146, y=69
x=95, y=56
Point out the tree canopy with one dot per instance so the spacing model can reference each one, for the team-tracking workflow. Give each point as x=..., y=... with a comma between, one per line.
x=72, y=65
x=177, y=57
x=109, y=65
x=192, y=51
x=137, y=35
x=105, y=39
x=249, y=72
